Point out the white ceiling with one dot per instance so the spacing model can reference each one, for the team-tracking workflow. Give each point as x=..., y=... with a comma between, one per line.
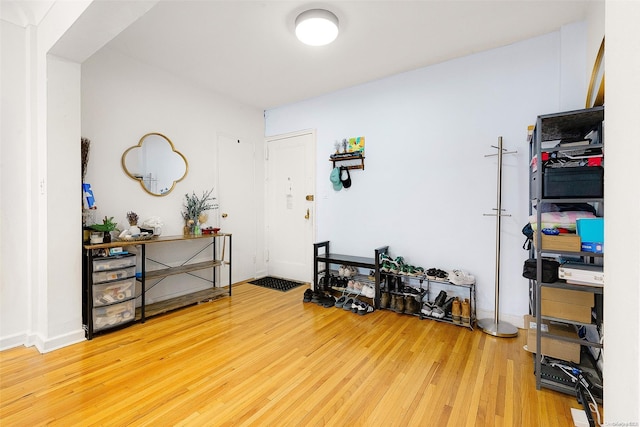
x=247, y=50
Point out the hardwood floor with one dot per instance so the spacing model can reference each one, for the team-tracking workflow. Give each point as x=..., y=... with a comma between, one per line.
x=263, y=357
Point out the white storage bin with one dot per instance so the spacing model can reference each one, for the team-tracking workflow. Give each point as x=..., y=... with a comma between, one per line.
x=112, y=292
x=113, y=315
x=105, y=276
x=114, y=262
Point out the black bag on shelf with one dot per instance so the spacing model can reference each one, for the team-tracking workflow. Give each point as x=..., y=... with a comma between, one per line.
x=527, y=230
x=549, y=269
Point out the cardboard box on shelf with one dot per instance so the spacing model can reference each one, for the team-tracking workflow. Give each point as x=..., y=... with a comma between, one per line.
x=568, y=296
x=560, y=242
x=567, y=304
x=566, y=311
x=557, y=349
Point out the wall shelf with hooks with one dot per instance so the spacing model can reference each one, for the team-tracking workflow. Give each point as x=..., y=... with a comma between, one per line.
x=347, y=157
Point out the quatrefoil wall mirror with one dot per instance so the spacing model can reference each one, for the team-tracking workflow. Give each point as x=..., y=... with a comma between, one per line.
x=155, y=163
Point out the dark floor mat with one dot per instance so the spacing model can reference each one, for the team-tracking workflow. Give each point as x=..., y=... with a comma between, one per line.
x=276, y=283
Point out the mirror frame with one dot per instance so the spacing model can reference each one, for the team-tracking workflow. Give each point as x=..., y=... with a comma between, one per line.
x=141, y=180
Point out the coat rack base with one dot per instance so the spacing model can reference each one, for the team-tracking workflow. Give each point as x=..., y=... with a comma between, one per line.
x=497, y=329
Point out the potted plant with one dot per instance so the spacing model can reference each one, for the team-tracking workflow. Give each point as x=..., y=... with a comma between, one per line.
x=194, y=208
x=106, y=227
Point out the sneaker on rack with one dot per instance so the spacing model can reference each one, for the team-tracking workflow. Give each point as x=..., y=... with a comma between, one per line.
x=384, y=257
x=442, y=275
x=460, y=277
x=408, y=270
x=427, y=308
x=368, y=291
x=341, y=271
x=394, y=268
x=354, y=270
x=437, y=312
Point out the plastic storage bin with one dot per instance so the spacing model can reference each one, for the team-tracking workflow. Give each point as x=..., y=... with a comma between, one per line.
x=114, y=262
x=113, y=315
x=112, y=292
x=105, y=276
x=575, y=182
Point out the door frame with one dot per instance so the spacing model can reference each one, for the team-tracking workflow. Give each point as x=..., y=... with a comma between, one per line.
x=312, y=166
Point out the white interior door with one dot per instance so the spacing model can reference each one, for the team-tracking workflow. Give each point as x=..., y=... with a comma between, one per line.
x=236, y=200
x=290, y=205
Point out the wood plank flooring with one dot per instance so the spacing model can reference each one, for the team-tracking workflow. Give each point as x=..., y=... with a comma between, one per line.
x=265, y=358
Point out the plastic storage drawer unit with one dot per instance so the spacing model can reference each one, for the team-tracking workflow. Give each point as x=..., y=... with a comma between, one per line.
x=111, y=292
x=585, y=181
x=110, y=316
x=105, y=276
x=113, y=262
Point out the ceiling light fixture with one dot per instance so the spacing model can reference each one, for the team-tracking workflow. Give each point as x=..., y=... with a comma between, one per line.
x=316, y=27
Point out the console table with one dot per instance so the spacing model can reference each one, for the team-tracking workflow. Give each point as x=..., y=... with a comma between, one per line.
x=108, y=297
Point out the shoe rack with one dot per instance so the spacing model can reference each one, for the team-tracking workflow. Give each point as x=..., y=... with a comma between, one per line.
x=424, y=290
x=326, y=263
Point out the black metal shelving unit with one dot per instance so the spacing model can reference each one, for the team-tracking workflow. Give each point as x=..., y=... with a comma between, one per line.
x=565, y=126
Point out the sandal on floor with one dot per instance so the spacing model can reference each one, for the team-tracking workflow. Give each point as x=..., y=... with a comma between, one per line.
x=347, y=304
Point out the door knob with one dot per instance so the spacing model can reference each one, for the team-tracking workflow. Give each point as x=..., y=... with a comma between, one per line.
x=307, y=215
x=224, y=215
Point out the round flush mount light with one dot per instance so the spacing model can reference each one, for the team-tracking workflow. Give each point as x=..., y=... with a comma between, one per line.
x=316, y=27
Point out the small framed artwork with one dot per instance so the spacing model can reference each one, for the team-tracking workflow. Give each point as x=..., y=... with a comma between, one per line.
x=595, y=93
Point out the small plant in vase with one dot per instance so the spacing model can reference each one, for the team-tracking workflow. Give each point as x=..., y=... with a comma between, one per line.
x=194, y=211
x=106, y=227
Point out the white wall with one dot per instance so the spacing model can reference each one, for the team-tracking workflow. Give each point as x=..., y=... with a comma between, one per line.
x=64, y=257
x=14, y=186
x=124, y=99
x=26, y=288
x=426, y=184
x=622, y=229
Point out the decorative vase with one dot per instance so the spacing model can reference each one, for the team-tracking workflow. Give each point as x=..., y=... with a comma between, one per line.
x=106, y=237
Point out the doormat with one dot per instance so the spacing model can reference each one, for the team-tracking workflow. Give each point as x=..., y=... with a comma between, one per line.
x=276, y=283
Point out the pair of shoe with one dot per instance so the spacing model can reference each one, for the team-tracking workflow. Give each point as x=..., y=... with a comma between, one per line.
x=347, y=271
x=440, y=307
x=308, y=294
x=460, y=277
x=354, y=305
x=437, y=274
x=324, y=299
x=410, y=270
x=461, y=312
x=362, y=308
x=397, y=303
x=393, y=266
